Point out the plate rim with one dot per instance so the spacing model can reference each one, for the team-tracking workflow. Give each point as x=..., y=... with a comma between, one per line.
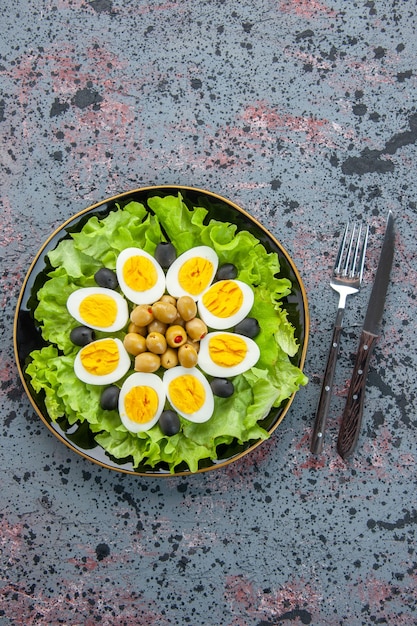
x=216, y=464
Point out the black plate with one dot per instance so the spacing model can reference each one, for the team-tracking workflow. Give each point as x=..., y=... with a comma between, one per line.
x=27, y=336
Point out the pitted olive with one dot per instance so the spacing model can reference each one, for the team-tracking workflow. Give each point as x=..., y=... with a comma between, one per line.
x=147, y=362
x=196, y=329
x=164, y=312
x=134, y=343
x=187, y=355
x=169, y=358
x=187, y=308
x=142, y=315
x=156, y=343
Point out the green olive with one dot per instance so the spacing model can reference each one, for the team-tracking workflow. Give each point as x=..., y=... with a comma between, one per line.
x=187, y=355
x=157, y=327
x=175, y=336
x=139, y=330
x=178, y=321
x=194, y=344
x=167, y=298
x=147, y=362
x=196, y=329
x=169, y=358
x=156, y=343
x=164, y=312
x=134, y=343
x=187, y=308
x=142, y=315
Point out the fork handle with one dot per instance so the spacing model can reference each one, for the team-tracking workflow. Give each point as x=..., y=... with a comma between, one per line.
x=316, y=445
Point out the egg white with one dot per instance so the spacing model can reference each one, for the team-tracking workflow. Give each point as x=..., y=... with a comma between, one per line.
x=172, y=283
x=221, y=323
x=140, y=379
x=106, y=379
x=206, y=411
x=147, y=296
x=76, y=298
x=213, y=369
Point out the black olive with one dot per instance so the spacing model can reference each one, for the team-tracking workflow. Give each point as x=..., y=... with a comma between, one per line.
x=228, y=271
x=248, y=327
x=165, y=254
x=82, y=335
x=109, y=399
x=222, y=387
x=105, y=277
x=169, y=423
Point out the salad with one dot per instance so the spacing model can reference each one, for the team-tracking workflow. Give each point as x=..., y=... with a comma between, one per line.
x=75, y=264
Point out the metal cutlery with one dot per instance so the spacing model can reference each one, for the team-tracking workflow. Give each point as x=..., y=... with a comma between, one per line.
x=346, y=280
x=352, y=415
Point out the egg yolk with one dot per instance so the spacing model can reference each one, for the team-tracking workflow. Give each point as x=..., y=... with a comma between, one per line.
x=101, y=357
x=139, y=273
x=227, y=350
x=98, y=310
x=187, y=393
x=195, y=275
x=141, y=404
x=223, y=299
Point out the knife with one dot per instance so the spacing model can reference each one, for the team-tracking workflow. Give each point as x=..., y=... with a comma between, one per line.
x=352, y=415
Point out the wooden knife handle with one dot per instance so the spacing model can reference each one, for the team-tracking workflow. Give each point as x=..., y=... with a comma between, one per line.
x=352, y=415
x=317, y=437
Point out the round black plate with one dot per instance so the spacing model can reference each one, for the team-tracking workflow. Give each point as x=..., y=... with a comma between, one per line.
x=27, y=336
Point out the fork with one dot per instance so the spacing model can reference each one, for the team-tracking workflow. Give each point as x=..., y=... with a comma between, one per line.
x=346, y=280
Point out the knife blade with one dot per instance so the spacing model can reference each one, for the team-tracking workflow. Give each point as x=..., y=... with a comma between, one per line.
x=353, y=412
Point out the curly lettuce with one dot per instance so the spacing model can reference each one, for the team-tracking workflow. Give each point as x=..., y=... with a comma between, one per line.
x=74, y=262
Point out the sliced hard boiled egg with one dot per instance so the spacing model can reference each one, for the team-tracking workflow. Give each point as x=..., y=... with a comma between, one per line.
x=227, y=354
x=102, y=362
x=225, y=304
x=99, y=308
x=140, y=276
x=141, y=401
x=192, y=272
x=189, y=393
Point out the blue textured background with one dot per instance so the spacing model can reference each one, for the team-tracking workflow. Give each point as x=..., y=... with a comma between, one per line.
x=304, y=113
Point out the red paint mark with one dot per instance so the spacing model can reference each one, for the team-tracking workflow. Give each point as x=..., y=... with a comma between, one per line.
x=7, y=368
x=8, y=232
x=309, y=59
x=311, y=461
x=374, y=592
x=10, y=541
x=246, y=600
x=306, y=8
x=84, y=563
x=85, y=601
x=308, y=132
x=370, y=72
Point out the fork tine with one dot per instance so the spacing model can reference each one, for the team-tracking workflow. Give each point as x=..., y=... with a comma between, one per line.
x=363, y=254
x=349, y=263
x=352, y=260
x=341, y=251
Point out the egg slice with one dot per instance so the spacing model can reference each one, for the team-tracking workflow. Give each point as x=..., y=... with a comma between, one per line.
x=227, y=354
x=189, y=393
x=225, y=304
x=102, y=362
x=141, y=401
x=98, y=308
x=192, y=272
x=140, y=276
